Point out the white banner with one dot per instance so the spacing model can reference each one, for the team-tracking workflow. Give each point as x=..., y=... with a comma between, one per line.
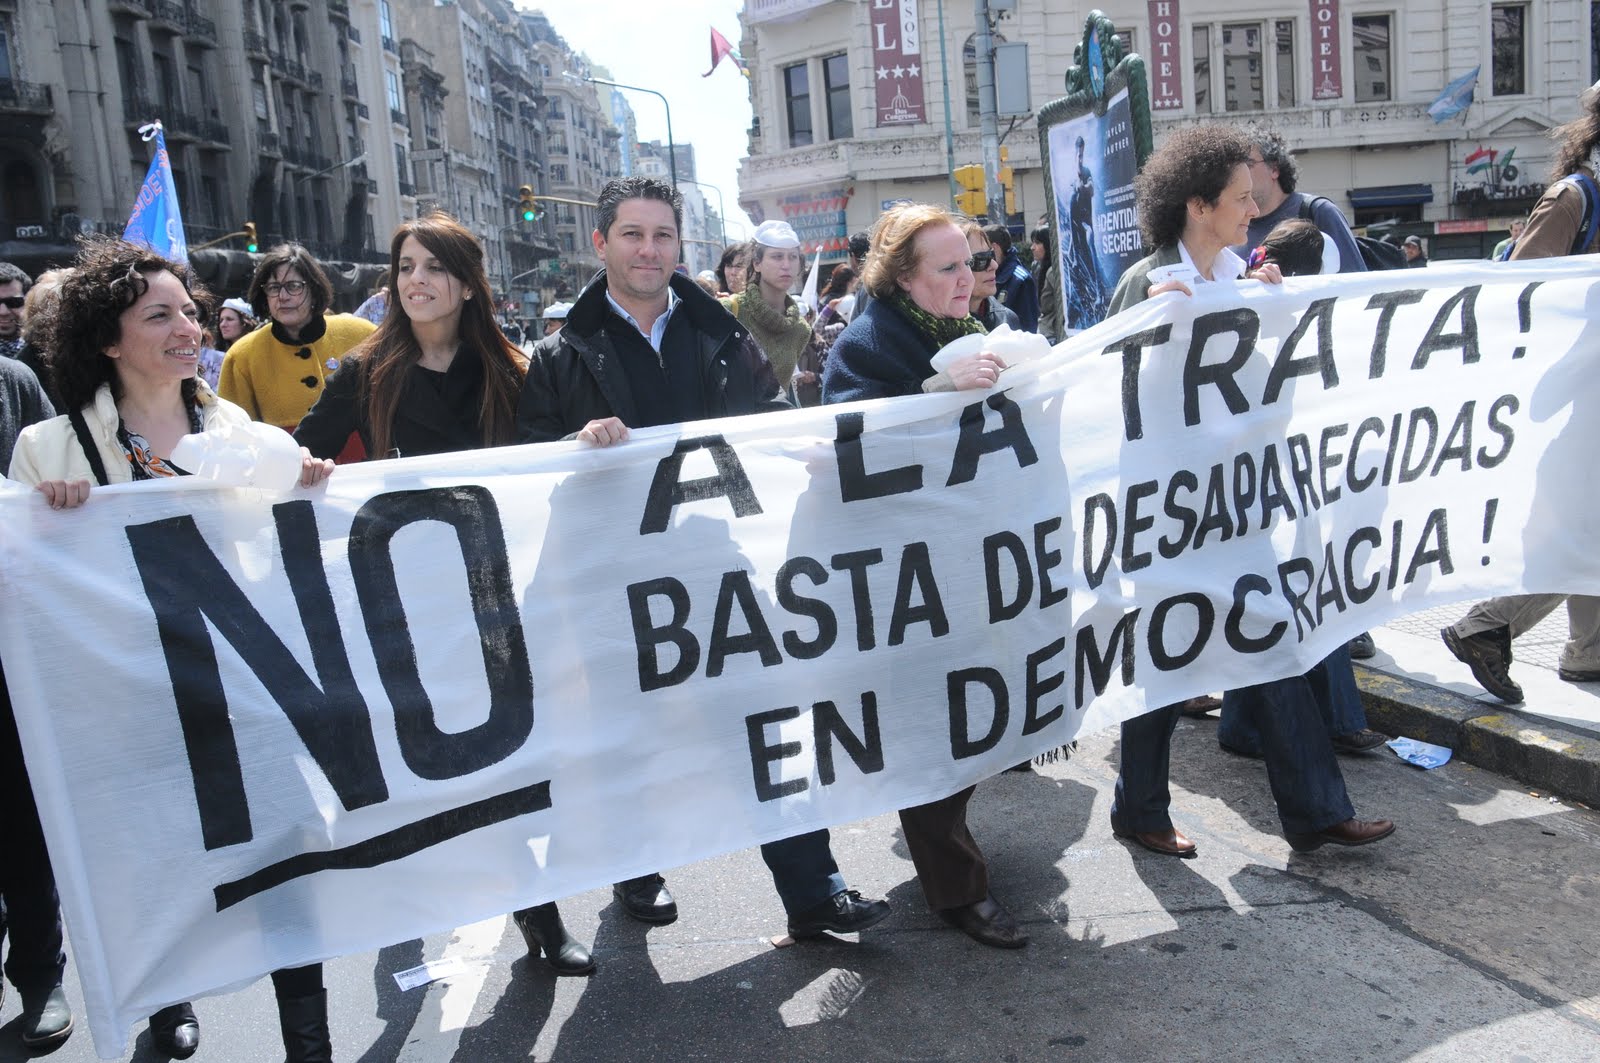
x=266, y=730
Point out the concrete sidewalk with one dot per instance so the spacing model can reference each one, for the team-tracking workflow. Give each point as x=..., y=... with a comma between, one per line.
x=1416, y=687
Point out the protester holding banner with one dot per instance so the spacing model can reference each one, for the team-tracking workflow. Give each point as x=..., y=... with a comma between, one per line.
x=767, y=309
x=920, y=275
x=278, y=373
x=1565, y=221
x=642, y=347
x=1194, y=198
x=123, y=346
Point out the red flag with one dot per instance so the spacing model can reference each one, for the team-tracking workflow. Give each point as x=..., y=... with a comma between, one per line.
x=720, y=50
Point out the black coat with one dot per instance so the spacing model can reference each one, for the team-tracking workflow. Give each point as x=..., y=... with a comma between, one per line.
x=437, y=413
x=576, y=376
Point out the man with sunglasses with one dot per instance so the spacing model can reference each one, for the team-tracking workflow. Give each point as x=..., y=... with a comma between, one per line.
x=14, y=284
x=277, y=373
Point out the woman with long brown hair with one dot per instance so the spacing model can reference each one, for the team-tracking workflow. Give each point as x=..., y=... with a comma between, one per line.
x=438, y=376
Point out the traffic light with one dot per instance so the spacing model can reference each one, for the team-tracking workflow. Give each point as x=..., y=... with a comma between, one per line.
x=529, y=209
x=250, y=243
x=970, y=200
x=1006, y=182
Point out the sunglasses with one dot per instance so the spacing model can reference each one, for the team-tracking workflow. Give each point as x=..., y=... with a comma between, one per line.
x=980, y=261
x=13, y=302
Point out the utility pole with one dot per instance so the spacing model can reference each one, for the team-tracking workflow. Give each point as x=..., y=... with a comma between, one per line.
x=988, y=123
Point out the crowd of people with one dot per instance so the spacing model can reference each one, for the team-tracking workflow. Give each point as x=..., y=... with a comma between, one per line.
x=105, y=369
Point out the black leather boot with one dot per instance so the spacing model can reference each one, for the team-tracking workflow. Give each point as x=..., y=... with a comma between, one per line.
x=304, y=1022
x=543, y=931
x=175, y=1031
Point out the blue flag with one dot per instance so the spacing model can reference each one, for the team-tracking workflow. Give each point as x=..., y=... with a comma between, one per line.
x=1456, y=97
x=155, y=221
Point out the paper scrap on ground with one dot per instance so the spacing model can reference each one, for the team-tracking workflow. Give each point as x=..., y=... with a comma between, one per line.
x=432, y=971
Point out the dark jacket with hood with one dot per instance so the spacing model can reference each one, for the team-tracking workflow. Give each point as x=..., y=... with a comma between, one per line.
x=577, y=376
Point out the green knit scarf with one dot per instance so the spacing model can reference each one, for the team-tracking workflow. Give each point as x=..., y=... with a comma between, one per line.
x=938, y=330
x=782, y=335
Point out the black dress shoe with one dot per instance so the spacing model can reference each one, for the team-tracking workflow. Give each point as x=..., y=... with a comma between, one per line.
x=1240, y=751
x=843, y=913
x=46, y=1019
x=1362, y=647
x=987, y=922
x=175, y=1031
x=647, y=899
x=1350, y=832
x=544, y=932
x=1362, y=741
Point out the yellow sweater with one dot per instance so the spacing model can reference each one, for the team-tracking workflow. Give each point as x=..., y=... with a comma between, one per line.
x=270, y=379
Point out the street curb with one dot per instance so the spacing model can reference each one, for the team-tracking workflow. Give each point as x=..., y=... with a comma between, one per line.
x=1529, y=748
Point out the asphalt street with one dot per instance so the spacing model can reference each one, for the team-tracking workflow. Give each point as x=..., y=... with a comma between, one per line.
x=1471, y=934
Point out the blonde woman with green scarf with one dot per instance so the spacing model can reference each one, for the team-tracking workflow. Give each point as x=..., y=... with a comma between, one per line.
x=775, y=320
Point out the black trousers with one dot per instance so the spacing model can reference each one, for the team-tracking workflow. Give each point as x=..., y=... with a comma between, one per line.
x=30, y=910
x=949, y=863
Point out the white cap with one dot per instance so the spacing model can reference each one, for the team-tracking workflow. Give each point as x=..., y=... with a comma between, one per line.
x=557, y=311
x=777, y=234
x=238, y=306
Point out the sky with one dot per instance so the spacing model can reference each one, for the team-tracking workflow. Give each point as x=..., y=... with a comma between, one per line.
x=666, y=46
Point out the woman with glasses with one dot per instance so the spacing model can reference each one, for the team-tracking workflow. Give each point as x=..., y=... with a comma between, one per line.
x=438, y=376
x=124, y=342
x=989, y=311
x=919, y=274
x=277, y=373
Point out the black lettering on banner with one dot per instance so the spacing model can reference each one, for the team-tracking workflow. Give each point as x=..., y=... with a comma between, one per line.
x=962, y=744
x=763, y=755
x=1103, y=505
x=757, y=639
x=1369, y=426
x=1244, y=490
x=1244, y=324
x=471, y=511
x=1171, y=546
x=1458, y=441
x=1327, y=462
x=856, y=484
x=186, y=586
x=865, y=751
x=1394, y=446
x=1300, y=471
x=667, y=491
x=1373, y=538
x=916, y=573
x=1287, y=366
x=1132, y=350
x=648, y=636
x=856, y=562
x=1089, y=660
x=1505, y=404
x=1463, y=302
x=1233, y=632
x=973, y=442
x=1214, y=514
x=1205, y=617
x=1329, y=592
x=1273, y=494
x=1386, y=303
x=1047, y=559
x=1135, y=522
x=1424, y=417
x=1298, y=566
x=1037, y=688
x=1435, y=531
x=817, y=610
x=1010, y=543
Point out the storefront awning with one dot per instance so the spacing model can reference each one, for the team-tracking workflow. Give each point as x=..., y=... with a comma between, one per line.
x=1390, y=195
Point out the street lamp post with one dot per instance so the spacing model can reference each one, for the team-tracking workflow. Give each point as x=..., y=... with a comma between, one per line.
x=672, y=151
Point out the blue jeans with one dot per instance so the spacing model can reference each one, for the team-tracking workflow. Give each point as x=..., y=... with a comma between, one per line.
x=1333, y=684
x=1291, y=717
x=30, y=912
x=1139, y=805
x=803, y=870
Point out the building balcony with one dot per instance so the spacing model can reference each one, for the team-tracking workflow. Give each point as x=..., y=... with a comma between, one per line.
x=138, y=109
x=397, y=117
x=506, y=147
x=354, y=146
x=183, y=124
x=202, y=30
x=353, y=33
x=406, y=188
x=255, y=46
x=136, y=8
x=349, y=86
x=362, y=111
x=390, y=46
x=168, y=16
x=24, y=97
x=289, y=68
x=339, y=9
x=267, y=142
x=1340, y=126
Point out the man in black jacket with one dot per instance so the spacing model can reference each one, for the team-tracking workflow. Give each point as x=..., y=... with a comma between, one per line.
x=644, y=346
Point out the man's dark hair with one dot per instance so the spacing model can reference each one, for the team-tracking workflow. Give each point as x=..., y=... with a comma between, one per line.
x=318, y=288
x=1196, y=161
x=1275, y=152
x=1296, y=246
x=9, y=273
x=860, y=244
x=625, y=188
x=1000, y=237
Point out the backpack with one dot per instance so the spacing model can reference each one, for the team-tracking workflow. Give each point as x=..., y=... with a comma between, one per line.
x=1591, y=214
x=1374, y=253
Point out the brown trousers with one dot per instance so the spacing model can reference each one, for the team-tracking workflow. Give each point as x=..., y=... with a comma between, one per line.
x=949, y=863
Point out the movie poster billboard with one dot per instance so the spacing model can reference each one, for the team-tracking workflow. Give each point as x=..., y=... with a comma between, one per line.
x=1092, y=165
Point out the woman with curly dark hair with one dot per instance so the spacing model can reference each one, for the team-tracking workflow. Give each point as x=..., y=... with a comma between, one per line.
x=123, y=343
x=733, y=268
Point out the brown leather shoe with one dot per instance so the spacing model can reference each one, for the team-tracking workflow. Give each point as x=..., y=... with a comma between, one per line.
x=1350, y=832
x=1166, y=842
x=988, y=922
x=1202, y=705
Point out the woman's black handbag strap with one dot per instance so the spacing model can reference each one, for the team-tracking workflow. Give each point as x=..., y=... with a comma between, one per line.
x=90, y=451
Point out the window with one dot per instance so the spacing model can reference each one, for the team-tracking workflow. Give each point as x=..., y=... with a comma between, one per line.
x=258, y=92
x=1369, y=37
x=797, y=93
x=392, y=87
x=1202, y=69
x=1284, y=31
x=1241, y=68
x=1508, y=29
x=402, y=165
x=385, y=19
x=167, y=83
x=836, y=79
x=5, y=49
